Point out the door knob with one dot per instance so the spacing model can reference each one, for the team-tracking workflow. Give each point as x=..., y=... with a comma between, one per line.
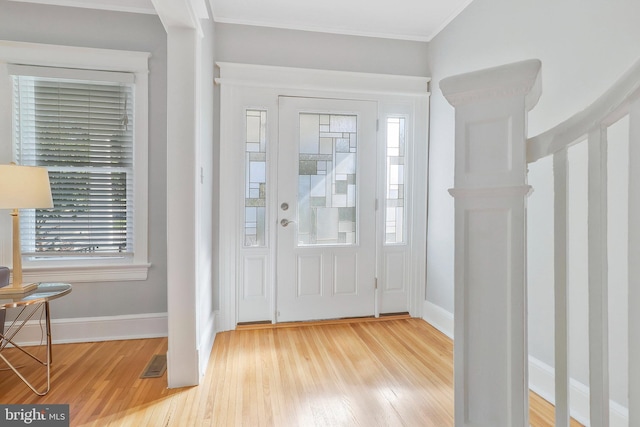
x=284, y=222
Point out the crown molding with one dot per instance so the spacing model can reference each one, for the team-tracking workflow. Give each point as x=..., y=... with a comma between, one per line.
x=131, y=6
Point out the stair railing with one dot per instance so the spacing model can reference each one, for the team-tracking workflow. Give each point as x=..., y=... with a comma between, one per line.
x=491, y=188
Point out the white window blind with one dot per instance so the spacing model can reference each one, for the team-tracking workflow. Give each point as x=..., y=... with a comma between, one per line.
x=82, y=132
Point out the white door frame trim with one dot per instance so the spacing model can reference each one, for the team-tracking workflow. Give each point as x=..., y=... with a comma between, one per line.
x=388, y=90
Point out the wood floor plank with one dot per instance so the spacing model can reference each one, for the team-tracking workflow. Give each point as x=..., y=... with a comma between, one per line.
x=392, y=372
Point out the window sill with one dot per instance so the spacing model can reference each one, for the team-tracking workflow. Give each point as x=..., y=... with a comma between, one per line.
x=89, y=273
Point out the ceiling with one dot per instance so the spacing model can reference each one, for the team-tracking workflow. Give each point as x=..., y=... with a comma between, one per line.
x=417, y=20
x=398, y=19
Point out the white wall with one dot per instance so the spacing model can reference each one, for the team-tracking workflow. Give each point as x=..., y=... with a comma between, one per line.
x=584, y=46
x=304, y=49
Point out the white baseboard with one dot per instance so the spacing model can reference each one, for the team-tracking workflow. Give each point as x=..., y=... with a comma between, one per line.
x=216, y=321
x=542, y=382
x=541, y=375
x=206, y=342
x=92, y=329
x=438, y=317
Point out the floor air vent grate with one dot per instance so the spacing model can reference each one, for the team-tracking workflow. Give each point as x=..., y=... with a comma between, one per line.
x=156, y=367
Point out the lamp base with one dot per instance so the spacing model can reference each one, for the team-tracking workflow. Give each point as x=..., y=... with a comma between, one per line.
x=20, y=289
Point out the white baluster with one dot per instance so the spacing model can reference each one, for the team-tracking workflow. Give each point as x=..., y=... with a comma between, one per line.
x=560, y=174
x=634, y=264
x=598, y=270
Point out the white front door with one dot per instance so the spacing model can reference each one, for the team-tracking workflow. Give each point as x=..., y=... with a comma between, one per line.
x=326, y=187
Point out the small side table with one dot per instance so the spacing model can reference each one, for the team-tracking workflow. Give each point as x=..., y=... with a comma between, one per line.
x=28, y=305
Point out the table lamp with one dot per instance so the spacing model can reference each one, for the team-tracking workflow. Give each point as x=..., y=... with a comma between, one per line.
x=22, y=187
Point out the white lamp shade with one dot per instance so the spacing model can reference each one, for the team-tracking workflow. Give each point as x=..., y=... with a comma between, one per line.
x=24, y=187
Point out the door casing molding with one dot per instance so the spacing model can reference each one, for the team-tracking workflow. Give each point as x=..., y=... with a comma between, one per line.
x=245, y=86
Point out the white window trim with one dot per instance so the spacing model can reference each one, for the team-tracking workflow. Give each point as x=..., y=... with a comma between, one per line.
x=35, y=54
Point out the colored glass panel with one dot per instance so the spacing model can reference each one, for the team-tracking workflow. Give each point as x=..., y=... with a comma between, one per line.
x=327, y=186
x=255, y=179
x=395, y=193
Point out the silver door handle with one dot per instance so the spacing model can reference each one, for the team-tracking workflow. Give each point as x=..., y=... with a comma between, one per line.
x=284, y=222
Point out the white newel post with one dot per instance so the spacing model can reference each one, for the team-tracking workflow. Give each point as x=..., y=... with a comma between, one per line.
x=490, y=350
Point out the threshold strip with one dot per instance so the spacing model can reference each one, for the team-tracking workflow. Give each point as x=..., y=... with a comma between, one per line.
x=346, y=320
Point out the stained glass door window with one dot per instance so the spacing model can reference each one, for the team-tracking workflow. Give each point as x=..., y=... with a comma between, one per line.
x=395, y=188
x=255, y=178
x=327, y=185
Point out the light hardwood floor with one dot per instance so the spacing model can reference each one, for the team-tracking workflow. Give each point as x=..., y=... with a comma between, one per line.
x=392, y=372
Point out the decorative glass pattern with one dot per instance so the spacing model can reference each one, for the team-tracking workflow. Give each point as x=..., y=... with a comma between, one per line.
x=395, y=196
x=327, y=179
x=255, y=178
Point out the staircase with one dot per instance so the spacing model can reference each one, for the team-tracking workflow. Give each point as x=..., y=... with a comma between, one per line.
x=491, y=191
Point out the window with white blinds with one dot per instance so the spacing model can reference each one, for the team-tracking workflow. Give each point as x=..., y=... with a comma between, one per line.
x=82, y=132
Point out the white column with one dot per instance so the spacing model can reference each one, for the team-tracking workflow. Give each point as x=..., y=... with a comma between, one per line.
x=490, y=350
x=182, y=360
x=182, y=22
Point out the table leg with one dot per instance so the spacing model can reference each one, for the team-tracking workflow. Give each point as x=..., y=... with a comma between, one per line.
x=12, y=331
x=49, y=346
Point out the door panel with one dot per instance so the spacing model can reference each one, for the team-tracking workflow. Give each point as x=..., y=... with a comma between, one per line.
x=326, y=199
